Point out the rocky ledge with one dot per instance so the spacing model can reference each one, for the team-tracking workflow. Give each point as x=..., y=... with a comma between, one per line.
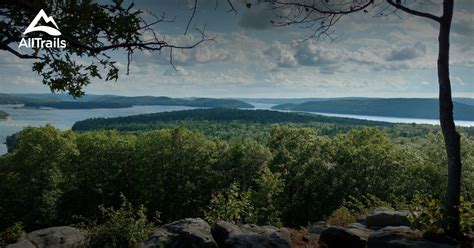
x=384, y=228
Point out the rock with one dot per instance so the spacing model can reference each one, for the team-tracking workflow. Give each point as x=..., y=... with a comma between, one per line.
x=339, y=237
x=21, y=244
x=53, y=237
x=360, y=219
x=250, y=236
x=222, y=230
x=401, y=237
x=192, y=233
x=384, y=217
x=318, y=227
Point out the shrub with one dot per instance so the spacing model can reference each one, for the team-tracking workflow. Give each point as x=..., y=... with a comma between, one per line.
x=231, y=205
x=341, y=217
x=427, y=214
x=365, y=204
x=125, y=227
x=12, y=234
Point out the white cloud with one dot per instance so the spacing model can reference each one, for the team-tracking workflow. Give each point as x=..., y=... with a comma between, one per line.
x=407, y=53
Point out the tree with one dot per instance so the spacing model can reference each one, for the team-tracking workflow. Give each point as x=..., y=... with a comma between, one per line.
x=321, y=16
x=35, y=176
x=91, y=30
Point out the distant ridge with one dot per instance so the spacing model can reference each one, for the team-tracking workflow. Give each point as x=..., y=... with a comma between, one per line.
x=112, y=101
x=389, y=107
x=465, y=100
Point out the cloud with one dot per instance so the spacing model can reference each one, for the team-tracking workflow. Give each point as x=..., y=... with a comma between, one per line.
x=463, y=24
x=282, y=54
x=407, y=53
x=176, y=72
x=458, y=80
x=327, y=58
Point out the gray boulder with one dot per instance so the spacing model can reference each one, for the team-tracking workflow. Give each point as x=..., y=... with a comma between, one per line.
x=229, y=235
x=401, y=237
x=354, y=236
x=384, y=217
x=53, y=237
x=185, y=233
x=318, y=227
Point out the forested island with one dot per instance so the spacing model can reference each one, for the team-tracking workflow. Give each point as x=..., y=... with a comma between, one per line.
x=227, y=123
x=3, y=115
x=390, y=107
x=215, y=115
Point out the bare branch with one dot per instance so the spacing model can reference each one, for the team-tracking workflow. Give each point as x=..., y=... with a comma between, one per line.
x=192, y=16
x=414, y=12
x=232, y=8
x=16, y=53
x=322, y=11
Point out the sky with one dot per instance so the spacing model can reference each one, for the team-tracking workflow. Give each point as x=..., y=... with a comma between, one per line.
x=392, y=56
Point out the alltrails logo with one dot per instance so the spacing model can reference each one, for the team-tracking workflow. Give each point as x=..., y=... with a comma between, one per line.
x=39, y=42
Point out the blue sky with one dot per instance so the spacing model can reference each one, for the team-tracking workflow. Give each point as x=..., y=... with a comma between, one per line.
x=383, y=57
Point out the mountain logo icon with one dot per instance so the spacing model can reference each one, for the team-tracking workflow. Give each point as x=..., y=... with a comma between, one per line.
x=49, y=30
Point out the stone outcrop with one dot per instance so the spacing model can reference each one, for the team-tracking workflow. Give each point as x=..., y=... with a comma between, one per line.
x=197, y=233
x=384, y=217
x=229, y=235
x=193, y=233
x=401, y=237
x=340, y=237
x=53, y=237
x=383, y=228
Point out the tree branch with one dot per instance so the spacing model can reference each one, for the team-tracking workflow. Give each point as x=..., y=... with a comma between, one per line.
x=414, y=12
x=192, y=16
x=16, y=53
x=321, y=11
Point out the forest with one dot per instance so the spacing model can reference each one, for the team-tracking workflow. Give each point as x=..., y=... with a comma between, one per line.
x=229, y=124
x=288, y=173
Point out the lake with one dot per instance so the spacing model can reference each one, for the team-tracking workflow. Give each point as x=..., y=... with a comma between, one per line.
x=65, y=118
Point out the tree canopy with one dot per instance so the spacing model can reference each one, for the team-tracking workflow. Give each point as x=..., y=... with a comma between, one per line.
x=92, y=31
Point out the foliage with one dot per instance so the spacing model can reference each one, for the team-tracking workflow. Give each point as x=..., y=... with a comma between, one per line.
x=265, y=199
x=124, y=227
x=91, y=30
x=290, y=176
x=365, y=204
x=427, y=214
x=467, y=216
x=216, y=115
x=173, y=172
x=341, y=217
x=33, y=176
x=12, y=233
x=231, y=205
